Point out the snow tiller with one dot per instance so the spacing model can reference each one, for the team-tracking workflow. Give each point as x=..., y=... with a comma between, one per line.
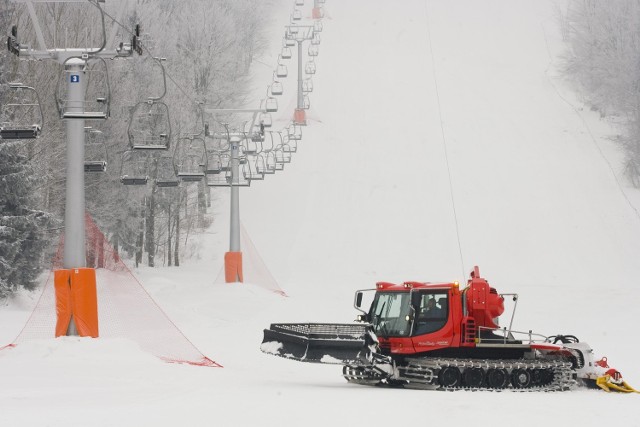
x=438, y=336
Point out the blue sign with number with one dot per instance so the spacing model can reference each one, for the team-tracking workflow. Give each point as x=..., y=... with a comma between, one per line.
x=75, y=78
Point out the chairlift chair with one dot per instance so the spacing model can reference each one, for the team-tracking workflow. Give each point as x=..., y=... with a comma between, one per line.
x=261, y=165
x=165, y=173
x=315, y=40
x=97, y=100
x=270, y=163
x=134, y=169
x=276, y=88
x=294, y=132
x=307, y=85
x=296, y=15
x=292, y=145
x=250, y=170
x=306, y=102
x=190, y=159
x=266, y=119
x=310, y=67
x=96, y=155
x=214, y=163
x=271, y=105
x=21, y=116
x=149, y=126
x=288, y=42
x=313, y=50
x=317, y=26
x=286, y=52
x=283, y=155
x=251, y=145
x=226, y=162
x=299, y=2
x=281, y=71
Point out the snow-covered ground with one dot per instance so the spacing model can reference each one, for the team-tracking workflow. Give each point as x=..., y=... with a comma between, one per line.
x=540, y=207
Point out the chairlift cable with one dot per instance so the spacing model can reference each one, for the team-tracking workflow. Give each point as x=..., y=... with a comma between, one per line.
x=150, y=55
x=444, y=140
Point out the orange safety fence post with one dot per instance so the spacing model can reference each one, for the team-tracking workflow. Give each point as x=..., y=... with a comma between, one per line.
x=77, y=298
x=233, y=267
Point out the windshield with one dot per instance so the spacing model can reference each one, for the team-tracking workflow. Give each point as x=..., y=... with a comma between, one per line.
x=390, y=313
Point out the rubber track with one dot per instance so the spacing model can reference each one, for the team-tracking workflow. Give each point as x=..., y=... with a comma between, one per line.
x=423, y=374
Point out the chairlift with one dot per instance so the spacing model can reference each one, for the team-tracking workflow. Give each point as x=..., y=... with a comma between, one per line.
x=307, y=85
x=286, y=52
x=226, y=162
x=97, y=99
x=288, y=42
x=313, y=50
x=251, y=145
x=190, y=159
x=282, y=158
x=214, y=163
x=266, y=119
x=270, y=165
x=296, y=15
x=165, y=173
x=96, y=155
x=260, y=165
x=281, y=71
x=315, y=40
x=21, y=116
x=271, y=105
x=292, y=145
x=149, y=126
x=250, y=170
x=294, y=132
x=306, y=102
x=149, y=122
x=134, y=168
x=317, y=26
x=310, y=67
x=276, y=88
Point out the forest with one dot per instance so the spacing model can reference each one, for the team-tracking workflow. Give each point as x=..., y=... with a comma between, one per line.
x=205, y=47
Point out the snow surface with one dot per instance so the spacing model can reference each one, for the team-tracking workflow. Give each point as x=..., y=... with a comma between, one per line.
x=541, y=208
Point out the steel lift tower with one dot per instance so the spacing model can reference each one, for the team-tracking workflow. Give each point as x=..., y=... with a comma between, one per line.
x=299, y=34
x=233, y=258
x=76, y=298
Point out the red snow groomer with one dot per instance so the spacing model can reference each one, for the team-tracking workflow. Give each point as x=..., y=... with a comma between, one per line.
x=438, y=336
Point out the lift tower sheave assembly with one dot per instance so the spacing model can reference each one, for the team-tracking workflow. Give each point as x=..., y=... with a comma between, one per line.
x=75, y=284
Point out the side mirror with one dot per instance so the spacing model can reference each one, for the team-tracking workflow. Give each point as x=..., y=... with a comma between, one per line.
x=358, y=299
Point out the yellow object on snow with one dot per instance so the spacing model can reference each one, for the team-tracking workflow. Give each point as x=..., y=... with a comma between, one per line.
x=606, y=383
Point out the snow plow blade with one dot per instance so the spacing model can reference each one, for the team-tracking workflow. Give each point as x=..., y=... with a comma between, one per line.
x=319, y=343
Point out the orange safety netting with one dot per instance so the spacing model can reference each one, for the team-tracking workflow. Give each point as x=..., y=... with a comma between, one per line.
x=125, y=309
x=254, y=270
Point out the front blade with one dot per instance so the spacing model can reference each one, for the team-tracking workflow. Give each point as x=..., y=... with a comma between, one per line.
x=319, y=343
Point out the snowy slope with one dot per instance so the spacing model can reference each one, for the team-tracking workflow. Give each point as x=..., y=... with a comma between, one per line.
x=401, y=87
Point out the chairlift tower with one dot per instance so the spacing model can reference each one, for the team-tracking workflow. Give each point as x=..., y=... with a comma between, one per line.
x=233, y=258
x=74, y=281
x=299, y=34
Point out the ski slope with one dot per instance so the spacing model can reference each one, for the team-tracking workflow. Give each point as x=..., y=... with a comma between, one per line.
x=532, y=194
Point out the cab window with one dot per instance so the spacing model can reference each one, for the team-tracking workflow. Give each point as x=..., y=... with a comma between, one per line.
x=432, y=313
